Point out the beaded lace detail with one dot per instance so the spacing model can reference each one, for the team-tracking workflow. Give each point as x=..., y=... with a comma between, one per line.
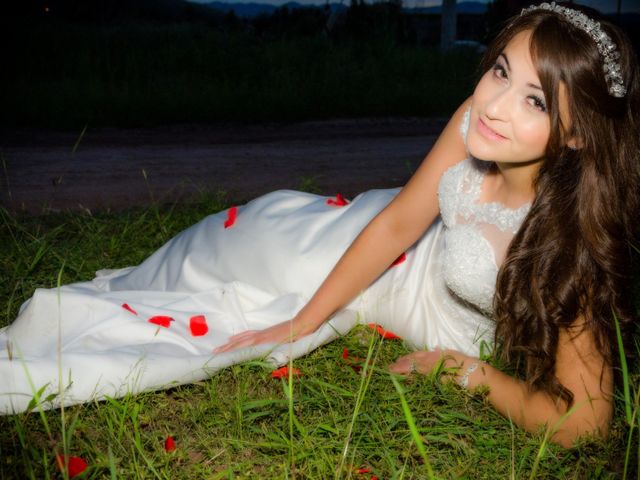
x=477, y=234
x=463, y=183
x=464, y=126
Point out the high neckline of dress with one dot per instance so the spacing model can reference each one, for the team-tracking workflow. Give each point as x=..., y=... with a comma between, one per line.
x=479, y=170
x=495, y=213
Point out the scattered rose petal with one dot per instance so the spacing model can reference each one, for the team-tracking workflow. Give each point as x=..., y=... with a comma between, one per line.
x=386, y=334
x=373, y=477
x=339, y=201
x=74, y=465
x=161, y=320
x=198, y=325
x=283, y=372
x=354, y=362
x=399, y=260
x=362, y=470
x=232, y=214
x=169, y=444
x=127, y=307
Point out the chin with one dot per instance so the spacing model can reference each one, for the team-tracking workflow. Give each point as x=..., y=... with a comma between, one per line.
x=484, y=158
x=481, y=152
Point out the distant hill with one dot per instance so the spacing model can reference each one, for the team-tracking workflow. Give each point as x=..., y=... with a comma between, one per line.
x=461, y=7
x=253, y=9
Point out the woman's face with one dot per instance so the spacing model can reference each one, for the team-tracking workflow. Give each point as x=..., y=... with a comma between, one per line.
x=509, y=120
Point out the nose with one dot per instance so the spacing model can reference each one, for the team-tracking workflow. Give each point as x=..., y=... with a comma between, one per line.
x=499, y=105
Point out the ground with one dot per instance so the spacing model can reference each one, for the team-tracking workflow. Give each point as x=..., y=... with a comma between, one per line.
x=117, y=168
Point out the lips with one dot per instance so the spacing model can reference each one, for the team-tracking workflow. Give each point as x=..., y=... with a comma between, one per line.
x=487, y=132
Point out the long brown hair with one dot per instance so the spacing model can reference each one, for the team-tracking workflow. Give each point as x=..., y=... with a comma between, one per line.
x=572, y=258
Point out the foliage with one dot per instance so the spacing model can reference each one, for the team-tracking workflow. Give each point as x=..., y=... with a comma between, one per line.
x=287, y=66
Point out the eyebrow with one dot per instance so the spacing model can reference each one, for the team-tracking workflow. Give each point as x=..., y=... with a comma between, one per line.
x=506, y=60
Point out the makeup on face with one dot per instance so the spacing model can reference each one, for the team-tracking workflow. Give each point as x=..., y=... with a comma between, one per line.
x=509, y=119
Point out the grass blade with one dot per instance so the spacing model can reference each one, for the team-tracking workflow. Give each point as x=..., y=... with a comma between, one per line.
x=625, y=373
x=417, y=439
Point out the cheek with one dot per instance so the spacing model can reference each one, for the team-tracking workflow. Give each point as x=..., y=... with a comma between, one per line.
x=533, y=134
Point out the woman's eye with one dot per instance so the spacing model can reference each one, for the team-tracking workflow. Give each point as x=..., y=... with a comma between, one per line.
x=499, y=71
x=537, y=103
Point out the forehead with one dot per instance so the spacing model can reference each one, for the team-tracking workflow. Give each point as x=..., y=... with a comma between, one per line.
x=518, y=53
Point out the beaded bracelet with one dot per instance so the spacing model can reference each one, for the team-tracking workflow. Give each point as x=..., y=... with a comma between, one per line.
x=463, y=381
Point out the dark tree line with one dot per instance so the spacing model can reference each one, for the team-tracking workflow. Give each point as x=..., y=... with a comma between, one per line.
x=359, y=20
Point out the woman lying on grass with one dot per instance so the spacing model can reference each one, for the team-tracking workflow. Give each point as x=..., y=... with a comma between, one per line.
x=561, y=133
x=516, y=230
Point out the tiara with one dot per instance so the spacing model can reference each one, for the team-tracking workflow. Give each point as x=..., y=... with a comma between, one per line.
x=606, y=47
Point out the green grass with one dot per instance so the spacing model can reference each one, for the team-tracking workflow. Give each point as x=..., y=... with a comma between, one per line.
x=241, y=423
x=70, y=75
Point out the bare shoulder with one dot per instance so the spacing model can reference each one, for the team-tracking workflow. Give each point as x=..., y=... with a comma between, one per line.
x=448, y=150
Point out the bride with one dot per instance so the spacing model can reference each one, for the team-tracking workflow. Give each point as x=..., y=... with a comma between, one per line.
x=516, y=230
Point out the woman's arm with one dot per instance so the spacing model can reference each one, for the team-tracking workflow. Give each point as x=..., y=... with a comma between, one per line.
x=390, y=233
x=579, y=367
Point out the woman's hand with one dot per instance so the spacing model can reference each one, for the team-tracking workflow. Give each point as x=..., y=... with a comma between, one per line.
x=424, y=362
x=284, y=332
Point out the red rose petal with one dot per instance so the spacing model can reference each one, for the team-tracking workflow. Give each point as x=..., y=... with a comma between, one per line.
x=339, y=201
x=74, y=465
x=161, y=320
x=353, y=362
x=386, y=334
x=399, y=260
x=232, y=214
x=283, y=372
x=360, y=471
x=198, y=325
x=169, y=444
x=127, y=307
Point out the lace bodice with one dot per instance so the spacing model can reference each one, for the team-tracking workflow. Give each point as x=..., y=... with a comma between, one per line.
x=477, y=234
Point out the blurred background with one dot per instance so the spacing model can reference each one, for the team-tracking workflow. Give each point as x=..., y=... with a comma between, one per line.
x=141, y=63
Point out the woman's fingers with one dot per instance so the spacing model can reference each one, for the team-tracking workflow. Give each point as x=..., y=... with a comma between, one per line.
x=416, y=362
x=282, y=332
x=240, y=340
x=242, y=335
x=401, y=366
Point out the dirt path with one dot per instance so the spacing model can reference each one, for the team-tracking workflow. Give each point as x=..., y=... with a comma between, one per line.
x=40, y=173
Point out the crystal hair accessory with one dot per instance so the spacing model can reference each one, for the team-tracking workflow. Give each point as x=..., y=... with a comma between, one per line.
x=606, y=47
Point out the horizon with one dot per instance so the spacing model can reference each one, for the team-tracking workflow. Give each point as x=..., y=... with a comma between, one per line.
x=605, y=6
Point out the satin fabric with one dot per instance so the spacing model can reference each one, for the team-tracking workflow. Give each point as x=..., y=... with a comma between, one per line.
x=81, y=344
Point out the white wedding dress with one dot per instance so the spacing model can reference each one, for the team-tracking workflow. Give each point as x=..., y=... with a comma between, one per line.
x=155, y=325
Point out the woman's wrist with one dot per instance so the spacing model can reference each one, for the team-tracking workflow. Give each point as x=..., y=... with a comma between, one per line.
x=468, y=372
x=306, y=323
x=463, y=378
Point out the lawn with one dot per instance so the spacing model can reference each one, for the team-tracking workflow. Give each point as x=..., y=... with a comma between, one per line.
x=341, y=418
